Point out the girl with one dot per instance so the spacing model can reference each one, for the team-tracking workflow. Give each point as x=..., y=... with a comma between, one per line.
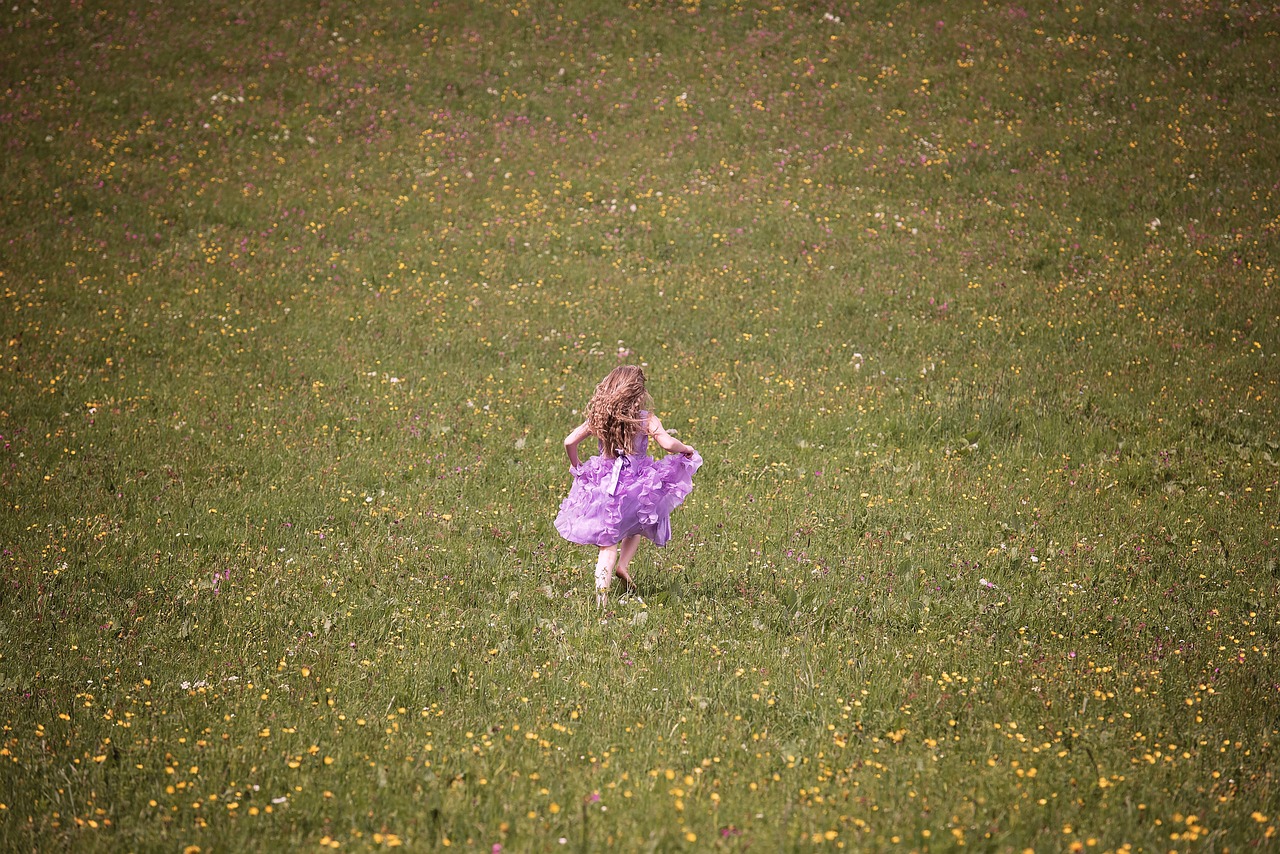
x=623, y=494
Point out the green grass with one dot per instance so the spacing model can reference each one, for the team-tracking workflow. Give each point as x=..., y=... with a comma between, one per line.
x=971, y=309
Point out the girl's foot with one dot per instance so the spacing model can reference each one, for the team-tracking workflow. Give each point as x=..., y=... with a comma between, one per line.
x=604, y=574
x=628, y=586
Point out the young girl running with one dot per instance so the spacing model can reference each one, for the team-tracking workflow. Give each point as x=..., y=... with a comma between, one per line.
x=623, y=494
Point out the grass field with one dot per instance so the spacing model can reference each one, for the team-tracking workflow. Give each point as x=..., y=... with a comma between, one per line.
x=971, y=308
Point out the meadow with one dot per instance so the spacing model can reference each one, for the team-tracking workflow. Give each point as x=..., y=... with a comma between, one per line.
x=971, y=309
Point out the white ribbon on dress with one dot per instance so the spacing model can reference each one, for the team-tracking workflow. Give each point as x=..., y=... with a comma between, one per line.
x=619, y=463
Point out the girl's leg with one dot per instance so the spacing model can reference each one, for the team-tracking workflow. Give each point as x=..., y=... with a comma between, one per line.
x=604, y=573
x=626, y=551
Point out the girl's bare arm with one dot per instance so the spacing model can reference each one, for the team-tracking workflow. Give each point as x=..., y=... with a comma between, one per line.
x=571, y=442
x=665, y=440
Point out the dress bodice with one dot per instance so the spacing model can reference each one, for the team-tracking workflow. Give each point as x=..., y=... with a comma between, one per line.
x=641, y=441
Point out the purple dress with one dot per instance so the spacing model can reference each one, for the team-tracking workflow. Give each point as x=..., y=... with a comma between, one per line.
x=611, y=499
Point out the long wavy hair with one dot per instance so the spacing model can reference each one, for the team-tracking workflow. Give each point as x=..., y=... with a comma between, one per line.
x=613, y=413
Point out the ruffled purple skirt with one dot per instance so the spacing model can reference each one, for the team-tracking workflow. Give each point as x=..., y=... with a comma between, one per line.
x=611, y=499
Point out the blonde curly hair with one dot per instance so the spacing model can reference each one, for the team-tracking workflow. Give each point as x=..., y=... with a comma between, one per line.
x=613, y=413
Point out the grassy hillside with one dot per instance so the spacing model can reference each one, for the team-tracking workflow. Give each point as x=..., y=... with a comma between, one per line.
x=972, y=309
